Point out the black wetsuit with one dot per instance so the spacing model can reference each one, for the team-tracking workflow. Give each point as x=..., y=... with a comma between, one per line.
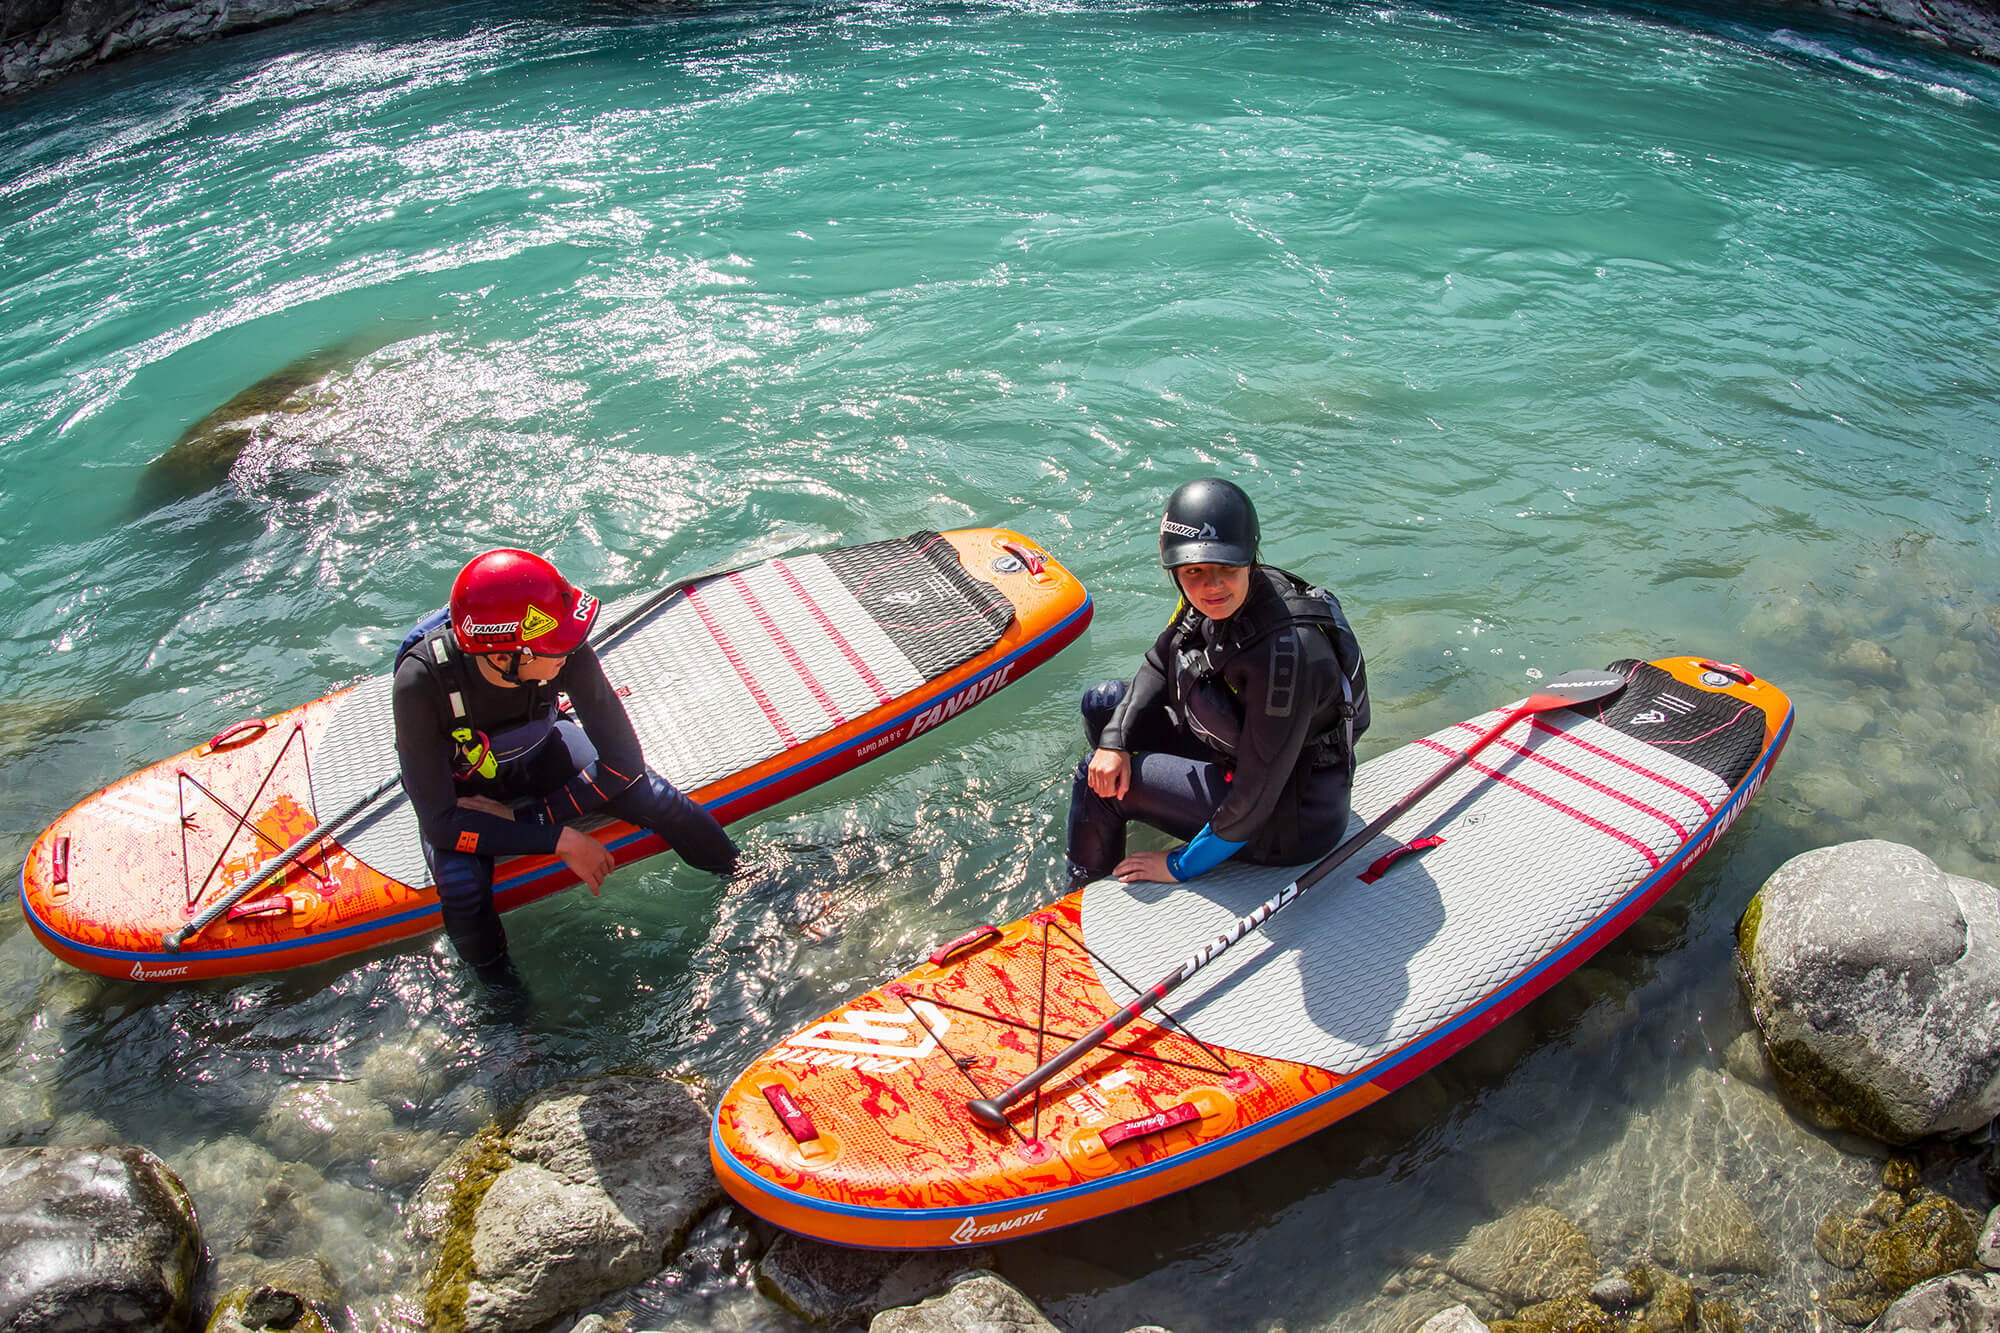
x=553, y=771
x=1241, y=733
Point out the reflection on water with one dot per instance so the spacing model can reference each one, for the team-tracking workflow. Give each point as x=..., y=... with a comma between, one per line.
x=1546, y=338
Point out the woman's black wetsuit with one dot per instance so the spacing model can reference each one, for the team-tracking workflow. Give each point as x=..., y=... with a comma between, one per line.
x=1241, y=733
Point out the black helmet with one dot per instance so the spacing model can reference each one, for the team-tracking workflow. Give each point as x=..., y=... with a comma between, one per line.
x=1208, y=522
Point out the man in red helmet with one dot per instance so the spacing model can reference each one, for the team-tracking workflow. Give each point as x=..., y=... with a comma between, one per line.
x=490, y=768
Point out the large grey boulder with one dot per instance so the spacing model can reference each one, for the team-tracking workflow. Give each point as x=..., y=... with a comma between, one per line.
x=1875, y=980
x=594, y=1189
x=101, y=1238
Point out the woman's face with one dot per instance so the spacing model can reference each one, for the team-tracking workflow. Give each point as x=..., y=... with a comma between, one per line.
x=1217, y=591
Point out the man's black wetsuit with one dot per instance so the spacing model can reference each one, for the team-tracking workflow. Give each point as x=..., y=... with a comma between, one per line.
x=550, y=771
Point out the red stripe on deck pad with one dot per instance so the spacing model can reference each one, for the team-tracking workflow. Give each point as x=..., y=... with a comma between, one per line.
x=742, y=672
x=792, y=657
x=832, y=632
x=1584, y=779
x=1589, y=821
x=1707, y=806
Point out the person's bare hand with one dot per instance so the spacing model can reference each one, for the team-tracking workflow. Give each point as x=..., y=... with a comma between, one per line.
x=588, y=859
x=1109, y=773
x=1147, y=867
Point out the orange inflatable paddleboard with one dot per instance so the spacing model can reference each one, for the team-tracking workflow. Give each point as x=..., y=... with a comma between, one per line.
x=744, y=687
x=1553, y=838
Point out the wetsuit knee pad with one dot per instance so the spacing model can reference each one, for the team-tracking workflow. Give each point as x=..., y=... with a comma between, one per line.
x=464, y=881
x=1099, y=702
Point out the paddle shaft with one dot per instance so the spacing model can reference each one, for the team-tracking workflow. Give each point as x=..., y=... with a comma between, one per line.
x=174, y=939
x=992, y=1111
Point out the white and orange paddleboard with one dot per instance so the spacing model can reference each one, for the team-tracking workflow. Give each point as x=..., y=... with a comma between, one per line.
x=745, y=688
x=1489, y=889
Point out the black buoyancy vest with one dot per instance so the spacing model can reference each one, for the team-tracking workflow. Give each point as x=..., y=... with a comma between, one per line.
x=436, y=649
x=1209, y=707
x=1198, y=668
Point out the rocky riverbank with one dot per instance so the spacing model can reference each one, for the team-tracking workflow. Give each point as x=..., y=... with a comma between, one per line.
x=43, y=40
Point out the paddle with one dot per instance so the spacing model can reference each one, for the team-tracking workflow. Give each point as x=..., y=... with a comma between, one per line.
x=1579, y=687
x=174, y=939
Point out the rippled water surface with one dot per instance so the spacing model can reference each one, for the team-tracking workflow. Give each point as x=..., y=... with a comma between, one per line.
x=1545, y=335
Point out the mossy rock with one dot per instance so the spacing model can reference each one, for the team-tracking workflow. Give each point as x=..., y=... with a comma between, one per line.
x=1882, y=1210
x=1901, y=1175
x=1821, y=1093
x=1842, y=1241
x=1857, y=1305
x=262, y=1307
x=1574, y=1313
x=444, y=1298
x=1746, y=934
x=1671, y=1309
x=1718, y=1316
x=1932, y=1237
x=1828, y=1097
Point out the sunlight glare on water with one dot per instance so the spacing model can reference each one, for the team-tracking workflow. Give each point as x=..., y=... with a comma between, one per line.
x=1544, y=335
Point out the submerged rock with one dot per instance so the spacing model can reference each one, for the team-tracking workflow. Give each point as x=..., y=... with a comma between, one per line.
x=1907, y=1235
x=101, y=1238
x=1931, y=1237
x=265, y=1306
x=1574, y=1313
x=1874, y=976
x=831, y=1285
x=1531, y=1255
x=206, y=452
x=1457, y=1319
x=308, y=1280
x=978, y=1302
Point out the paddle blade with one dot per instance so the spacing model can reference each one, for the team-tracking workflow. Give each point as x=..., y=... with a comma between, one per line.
x=1578, y=687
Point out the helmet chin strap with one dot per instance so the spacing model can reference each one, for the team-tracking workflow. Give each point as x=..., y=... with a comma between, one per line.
x=511, y=673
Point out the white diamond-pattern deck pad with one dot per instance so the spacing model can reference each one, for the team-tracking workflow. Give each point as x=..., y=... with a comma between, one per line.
x=734, y=670
x=1547, y=830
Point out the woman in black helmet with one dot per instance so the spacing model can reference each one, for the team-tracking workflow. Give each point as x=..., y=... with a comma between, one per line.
x=1238, y=731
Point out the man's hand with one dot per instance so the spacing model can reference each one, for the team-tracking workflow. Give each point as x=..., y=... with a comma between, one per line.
x=588, y=859
x=486, y=805
x=1109, y=773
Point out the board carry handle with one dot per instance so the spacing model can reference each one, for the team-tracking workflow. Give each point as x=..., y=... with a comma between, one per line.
x=174, y=940
x=1579, y=687
x=1029, y=557
x=237, y=733
x=978, y=937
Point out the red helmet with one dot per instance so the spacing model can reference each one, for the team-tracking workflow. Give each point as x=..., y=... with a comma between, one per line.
x=507, y=600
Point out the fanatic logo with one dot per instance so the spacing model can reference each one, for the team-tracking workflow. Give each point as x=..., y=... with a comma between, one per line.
x=969, y=1230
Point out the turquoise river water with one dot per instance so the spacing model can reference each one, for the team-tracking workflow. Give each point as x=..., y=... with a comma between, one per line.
x=1545, y=335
